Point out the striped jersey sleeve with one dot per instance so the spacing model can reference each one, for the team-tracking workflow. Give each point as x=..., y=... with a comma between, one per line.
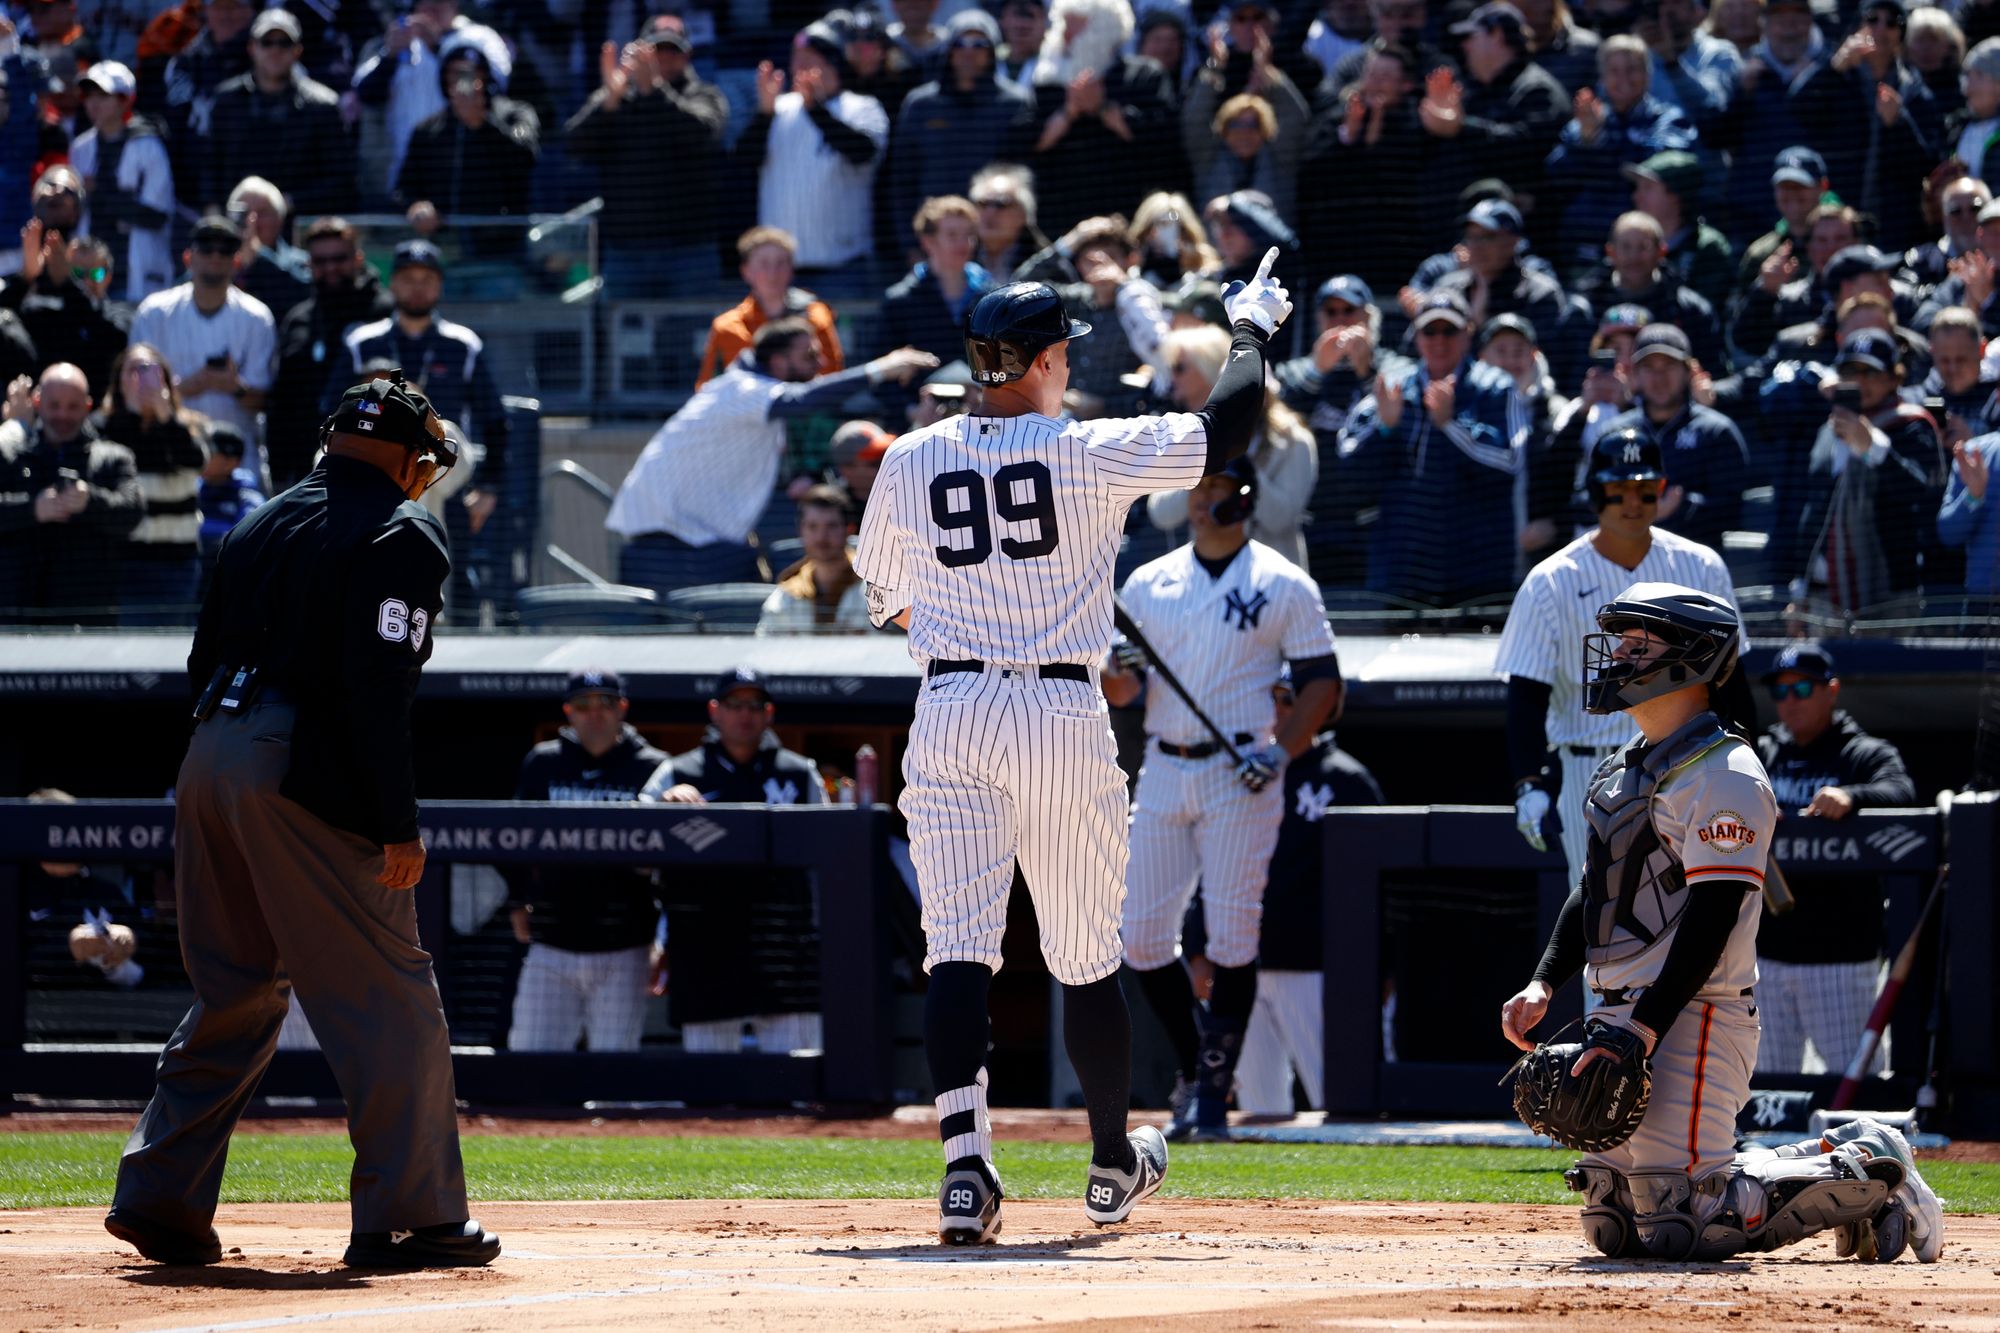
x=1135, y=456
x=1528, y=641
x=880, y=550
x=1307, y=635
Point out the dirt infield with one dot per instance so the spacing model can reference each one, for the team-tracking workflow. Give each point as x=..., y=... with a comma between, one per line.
x=784, y=1265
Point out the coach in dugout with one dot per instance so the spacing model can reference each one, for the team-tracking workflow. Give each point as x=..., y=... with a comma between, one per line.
x=589, y=928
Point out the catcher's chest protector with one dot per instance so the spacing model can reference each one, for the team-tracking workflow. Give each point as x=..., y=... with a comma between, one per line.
x=1634, y=890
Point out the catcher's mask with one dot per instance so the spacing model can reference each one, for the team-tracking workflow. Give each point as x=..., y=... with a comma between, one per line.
x=1699, y=633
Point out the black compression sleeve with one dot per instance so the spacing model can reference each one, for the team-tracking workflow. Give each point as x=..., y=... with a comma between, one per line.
x=1527, y=723
x=1563, y=958
x=1236, y=403
x=1699, y=940
x=1309, y=669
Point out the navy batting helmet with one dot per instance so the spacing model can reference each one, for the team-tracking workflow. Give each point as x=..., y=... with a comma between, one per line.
x=1010, y=326
x=1699, y=631
x=1242, y=502
x=1626, y=454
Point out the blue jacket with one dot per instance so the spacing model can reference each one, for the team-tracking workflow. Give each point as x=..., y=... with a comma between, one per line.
x=1588, y=179
x=20, y=146
x=1965, y=522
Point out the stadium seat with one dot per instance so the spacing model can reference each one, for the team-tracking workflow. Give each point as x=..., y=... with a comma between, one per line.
x=586, y=605
x=721, y=608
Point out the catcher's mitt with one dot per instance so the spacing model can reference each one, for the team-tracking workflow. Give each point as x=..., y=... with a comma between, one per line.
x=1594, y=1112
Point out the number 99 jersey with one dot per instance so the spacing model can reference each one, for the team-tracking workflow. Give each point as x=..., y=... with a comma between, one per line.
x=1000, y=534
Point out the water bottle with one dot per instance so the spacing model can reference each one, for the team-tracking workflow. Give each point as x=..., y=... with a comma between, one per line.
x=866, y=771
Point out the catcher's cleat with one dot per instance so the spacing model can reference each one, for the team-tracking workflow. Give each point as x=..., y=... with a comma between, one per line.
x=1913, y=1217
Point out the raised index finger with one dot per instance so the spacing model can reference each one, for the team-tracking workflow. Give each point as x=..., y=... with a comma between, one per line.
x=1270, y=258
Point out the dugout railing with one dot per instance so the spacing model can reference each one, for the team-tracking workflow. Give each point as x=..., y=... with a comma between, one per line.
x=1435, y=915
x=841, y=850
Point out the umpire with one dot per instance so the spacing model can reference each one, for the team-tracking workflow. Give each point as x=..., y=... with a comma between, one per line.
x=296, y=848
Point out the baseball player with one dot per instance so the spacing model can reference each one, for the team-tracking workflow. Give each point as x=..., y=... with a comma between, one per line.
x=1553, y=743
x=1663, y=925
x=1224, y=612
x=991, y=537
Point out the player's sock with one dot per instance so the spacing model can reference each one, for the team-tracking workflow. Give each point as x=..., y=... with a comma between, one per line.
x=1230, y=1001
x=1097, y=1033
x=1170, y=995
x=955, y=1036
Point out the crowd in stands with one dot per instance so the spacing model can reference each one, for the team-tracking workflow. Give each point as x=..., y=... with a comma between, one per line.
x=1761, y=231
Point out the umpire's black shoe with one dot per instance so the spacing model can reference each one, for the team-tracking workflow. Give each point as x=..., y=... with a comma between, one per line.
x=449, y=1245
x=162, y=1244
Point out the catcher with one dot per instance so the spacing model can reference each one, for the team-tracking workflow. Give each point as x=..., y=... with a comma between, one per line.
x=1664, y=927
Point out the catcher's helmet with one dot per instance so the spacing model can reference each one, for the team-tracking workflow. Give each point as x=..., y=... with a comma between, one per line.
x=1626, y=454
x=1242, y=502
x=1010, y=326
x=1699, y=629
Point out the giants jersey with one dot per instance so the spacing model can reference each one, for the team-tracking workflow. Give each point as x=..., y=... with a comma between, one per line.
x=999, y=534
x=1557, y=605
x=1226, y=637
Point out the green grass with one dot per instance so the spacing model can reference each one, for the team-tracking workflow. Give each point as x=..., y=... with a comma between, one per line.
x=47, y=1170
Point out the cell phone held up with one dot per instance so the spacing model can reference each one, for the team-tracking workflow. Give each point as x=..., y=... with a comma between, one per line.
x=1605, y=359
x=1848, y=397
x=68, y=479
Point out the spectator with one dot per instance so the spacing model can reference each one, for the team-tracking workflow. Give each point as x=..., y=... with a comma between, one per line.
x=48, y=315
x=1692, y=69
x=1325, y=384
x=1935, y=45
x=398, y=75
x=1969, y=391
x=1971, y=282
x=876, y=66
x=1567, y=50
x=274, y=270
x=1554, y=513
x=919, y=39
x=1619, y=126
x=68, y=500
x=20, y=146
x=1635, y=272
x=1706, y=461
x=1395, y=23
x=1023, y=25
x=1504, y=118
x=1243, y=123
x=1961, y=202
x=947, y=391
x=128, y=181
x=1965, y=520
x=1282, y=452
x=1374, y=144
x=1820, y=964
x=457, y=377
x=344, y=293
x=926, y=310
x=1173, y=245
x=1341, y=28
x=589, y=928
x=815, y=151
x=1125, y=311
x=854, y=458
x=228, y=491
x=1106, y=121
x=765, y=256
x=742, y=944
x=477, y=156
x=1666, y=186
x=1004, y=194
x=53, y=28
x=651, y=110
x=1798, y=184
x=688, y=505
x=1760, y=126
x=1784, y=294
x=1163, y=38
x=54, y=891
x=1494, y=283
x=1856, y=273
x=1973, y=129
x=1877, y=123
x=951, y=127
x=92, y=269
x=820, y=591
x=277, y=123
x=1873, y=486
x=1437, y=445
x=158, y=584
x=218, y=341
x=182, y=90
x=1738, y=22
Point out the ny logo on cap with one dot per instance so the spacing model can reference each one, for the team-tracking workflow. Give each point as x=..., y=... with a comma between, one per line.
x=1633, y=453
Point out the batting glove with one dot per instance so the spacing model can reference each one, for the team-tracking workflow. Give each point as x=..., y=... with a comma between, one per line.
x=1261, y=767
x=1129, y=656
x=1263, y=300
x=1531, y=807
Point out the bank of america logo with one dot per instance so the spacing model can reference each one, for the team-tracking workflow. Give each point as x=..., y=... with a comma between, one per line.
x=699, y=833
x=1896, y=842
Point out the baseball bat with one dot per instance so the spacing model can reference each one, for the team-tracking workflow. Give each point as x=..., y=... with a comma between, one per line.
x=1130, y=629
x=1885, y=1003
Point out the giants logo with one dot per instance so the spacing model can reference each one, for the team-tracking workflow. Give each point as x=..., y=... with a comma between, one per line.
x=1726, y=832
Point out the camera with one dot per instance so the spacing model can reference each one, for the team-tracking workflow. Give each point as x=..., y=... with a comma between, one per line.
x=1847, y=396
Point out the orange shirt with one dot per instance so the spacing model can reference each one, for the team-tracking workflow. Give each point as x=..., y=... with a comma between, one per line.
x=731, y=332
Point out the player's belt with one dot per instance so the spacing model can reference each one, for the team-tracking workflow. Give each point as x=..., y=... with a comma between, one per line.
x=1590, y=751
x=1204, y=749
x=1054, y=671
x=1616, y=995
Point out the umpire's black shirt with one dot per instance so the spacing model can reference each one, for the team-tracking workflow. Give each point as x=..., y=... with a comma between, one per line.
x=332, y=590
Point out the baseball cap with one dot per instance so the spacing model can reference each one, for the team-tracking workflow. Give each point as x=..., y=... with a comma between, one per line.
x=1678, y=171
x=594, y=680
x=1990, y=211
x=1492, y=14
x=742, y=678
x=1856, y=260
x=418, y=254
x=662, y=30
x=110, y=77
x=1805, y=657
x=1203, y=300
x=1662, y=340
x=1625, y=315
x=226, y=440
x=1500, y=324
x=974, y=21
x=1799, y=165
x=276, y=18
x=949, y=381
x=215, y=227
x=1344, y=287
x=1444, y=306
x=1254, y=213
x=1872, y=348
x=1984, y=58
x=860, y=441
x=1495, y=215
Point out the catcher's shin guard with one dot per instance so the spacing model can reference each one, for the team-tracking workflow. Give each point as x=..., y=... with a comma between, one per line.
x=1607, y=1210
x=1769, y=1201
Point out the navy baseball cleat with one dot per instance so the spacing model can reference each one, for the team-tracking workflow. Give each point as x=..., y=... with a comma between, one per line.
x=1181, y=1110
x=1110, y=1194
x=968, y=1209
x=161, y=1244
x=448, y=1245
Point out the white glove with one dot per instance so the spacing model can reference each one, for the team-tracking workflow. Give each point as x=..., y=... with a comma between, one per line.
x=1531, y=807
x=1263, y=300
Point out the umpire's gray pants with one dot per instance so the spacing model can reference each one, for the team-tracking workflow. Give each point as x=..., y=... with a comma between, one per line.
x=268, y=891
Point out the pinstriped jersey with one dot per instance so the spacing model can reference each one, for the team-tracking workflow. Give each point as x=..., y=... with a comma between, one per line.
x=1225, y=637
x=999, y=534
x=1557, y=605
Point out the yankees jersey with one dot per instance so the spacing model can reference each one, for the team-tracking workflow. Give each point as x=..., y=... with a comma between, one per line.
x=1290, y=936
x=1557, y=605
x=1226, y=637
x=999, y=534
